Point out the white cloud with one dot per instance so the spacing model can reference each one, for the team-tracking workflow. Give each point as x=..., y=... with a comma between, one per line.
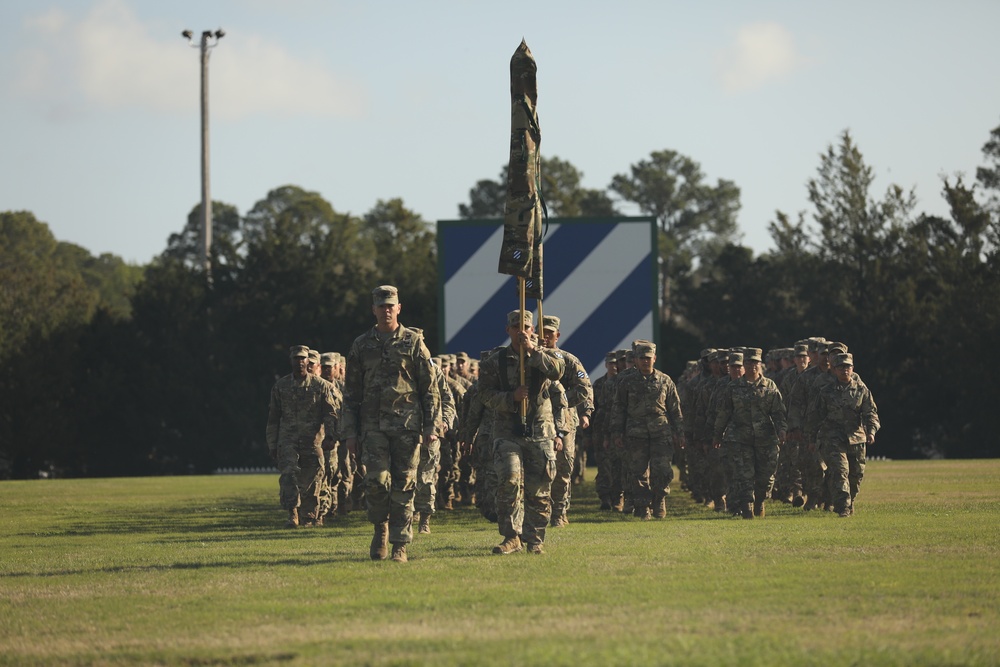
x=762, y=53
x=108, y=60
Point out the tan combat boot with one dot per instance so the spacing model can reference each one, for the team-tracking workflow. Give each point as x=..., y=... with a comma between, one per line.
x=746, y=510
x=425, y=523
x=758, y=509
x=508, y=546
x=380, y=542
x=536, y=548
x=293, y=518
x=399, y=552
x=660, y=508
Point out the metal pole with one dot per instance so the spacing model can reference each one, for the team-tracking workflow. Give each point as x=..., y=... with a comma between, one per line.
x=205, y=241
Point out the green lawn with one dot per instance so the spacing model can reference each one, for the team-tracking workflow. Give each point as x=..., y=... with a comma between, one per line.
x=198, y=571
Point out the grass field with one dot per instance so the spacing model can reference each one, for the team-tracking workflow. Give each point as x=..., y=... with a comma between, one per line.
x=198, y=571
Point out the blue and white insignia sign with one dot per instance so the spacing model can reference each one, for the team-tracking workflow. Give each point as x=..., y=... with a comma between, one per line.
x=600, y=280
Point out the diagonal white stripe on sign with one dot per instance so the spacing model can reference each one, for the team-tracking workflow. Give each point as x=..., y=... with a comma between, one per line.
x=473, y=284
x=595, y=277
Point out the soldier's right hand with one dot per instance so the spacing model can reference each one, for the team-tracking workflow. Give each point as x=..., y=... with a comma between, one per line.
x=520, y=393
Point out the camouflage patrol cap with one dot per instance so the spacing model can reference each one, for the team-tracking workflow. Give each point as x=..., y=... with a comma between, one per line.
x=514, y=318
x=844, y=359
x=815, y=343
x=384, y=294
x=550, y=322
x=629, y=355
x=644, y=349
x=313, y=356
x=719, y=355
x=735, y=358
x=328, y=359
x=298, y=351
x=691, y=365
x=461, y=355
x=639, y=341
x=801, y=350
x=706, y=353
x=752, y=354
x=611, y=357
x=835, y=348
x=621, y=355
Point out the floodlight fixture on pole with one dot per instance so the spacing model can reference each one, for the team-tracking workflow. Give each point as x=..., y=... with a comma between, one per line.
x=208, y=40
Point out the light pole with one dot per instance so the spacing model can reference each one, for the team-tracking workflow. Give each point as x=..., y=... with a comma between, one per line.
x=208, y=40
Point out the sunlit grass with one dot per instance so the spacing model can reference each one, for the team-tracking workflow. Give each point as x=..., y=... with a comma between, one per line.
x=197, y=570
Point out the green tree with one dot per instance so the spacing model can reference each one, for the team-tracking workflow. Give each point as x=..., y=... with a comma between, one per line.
x=406, y=256
x=562, y=190
x=696, y=219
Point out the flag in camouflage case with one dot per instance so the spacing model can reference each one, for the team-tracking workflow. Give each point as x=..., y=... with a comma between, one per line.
x=523, y=208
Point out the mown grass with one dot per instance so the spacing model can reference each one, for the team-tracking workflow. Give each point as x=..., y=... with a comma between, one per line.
x=198, y=571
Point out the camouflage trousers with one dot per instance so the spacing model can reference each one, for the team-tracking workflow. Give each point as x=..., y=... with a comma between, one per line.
x=788, y=480
x=347, y=470
x=718, y=472
x=753, y=468
x=650, y=470
x=449, y=471
x=331, y=481
x=486, y=476
x=427, y=476
x=562, y=485
x=610, y=473
x=845, y=470
x=301, y=478
x=584, y=443
x=697, y=464
x=525, y=468
x=390, y=460
x=813, y=469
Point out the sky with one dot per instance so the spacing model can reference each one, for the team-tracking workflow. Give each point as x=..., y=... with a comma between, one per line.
x=368, y=101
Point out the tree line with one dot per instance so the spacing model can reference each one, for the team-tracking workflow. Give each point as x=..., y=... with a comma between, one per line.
x=112, y=369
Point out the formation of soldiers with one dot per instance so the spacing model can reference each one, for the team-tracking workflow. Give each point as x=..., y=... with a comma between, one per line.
x=404, y=435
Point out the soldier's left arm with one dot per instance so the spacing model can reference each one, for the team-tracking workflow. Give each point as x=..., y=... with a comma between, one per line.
x=552, y=364
x=869, y=416
x=779, y=415
x=427, y=390
x=673, y=404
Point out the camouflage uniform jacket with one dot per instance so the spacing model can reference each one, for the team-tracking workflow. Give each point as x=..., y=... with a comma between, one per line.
x=601, y=406
x=389, y=384
x=798, y=401
x=703, y=415
x=787, y=386
x=446, y=416
x=542, y=368
x=579, y=392
x=301, y=412
x=843, y=413
x=647, y=406
x=753, y=411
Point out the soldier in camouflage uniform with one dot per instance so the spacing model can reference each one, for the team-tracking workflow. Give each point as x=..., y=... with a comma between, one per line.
x=580, y=400
x=476, y=437
x=720, y=459
x=844, y=420
x=428, y=468
x=752, y=410
x=303, y=410
x=788, y=480
x=602, y=410
x=811, y=464
x=390, y=403
x=524, y=451
x=647, y=422
x=689, y=398
x=328, y=498
x=701, y=423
